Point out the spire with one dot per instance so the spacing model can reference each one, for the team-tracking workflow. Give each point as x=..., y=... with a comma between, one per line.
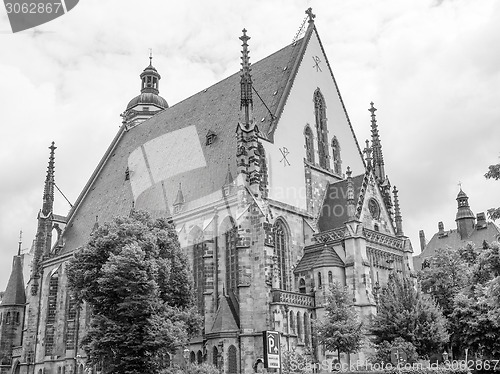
x=378, y=159
x=14, y=293
x=229, y=177
x=397, y=214
x=48, y=191
x=351, y=208
x=179, y=200
x=246, y=80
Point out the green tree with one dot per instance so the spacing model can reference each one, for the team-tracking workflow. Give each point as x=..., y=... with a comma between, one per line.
x=340, y=330
x=137, y=285
x=493, y=173
x=384, y=351
x=445, y=276
x=409, y=314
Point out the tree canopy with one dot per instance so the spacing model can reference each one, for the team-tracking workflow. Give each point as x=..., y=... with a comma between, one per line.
x=404, y=312
x=137, y=285
x=493, y=173
x=340, y=330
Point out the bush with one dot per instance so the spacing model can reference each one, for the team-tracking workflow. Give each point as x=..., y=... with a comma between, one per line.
x=384, y=351
x=192, y=369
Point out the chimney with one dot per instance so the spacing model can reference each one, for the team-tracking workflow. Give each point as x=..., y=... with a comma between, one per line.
x=481, y=221
x=422, y=240
x=441, y=232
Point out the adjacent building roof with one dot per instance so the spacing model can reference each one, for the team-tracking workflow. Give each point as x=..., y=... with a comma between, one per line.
x=451, y=239
x=15, y=294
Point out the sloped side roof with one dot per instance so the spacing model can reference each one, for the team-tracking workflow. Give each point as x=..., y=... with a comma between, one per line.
x=215, y=109
x=14, y=293
x=333, y=214
x=318, y=257
x=225, y=319
x=452, y=239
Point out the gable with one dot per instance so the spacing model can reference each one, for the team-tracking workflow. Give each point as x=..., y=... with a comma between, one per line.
x=374, y=214
x=287, y=153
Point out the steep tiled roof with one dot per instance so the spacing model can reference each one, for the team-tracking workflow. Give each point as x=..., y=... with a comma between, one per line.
x=225, y=319
x=334, y=212
x=318, y=256
x=451, y=238
x=215, y=109
x=14, y=293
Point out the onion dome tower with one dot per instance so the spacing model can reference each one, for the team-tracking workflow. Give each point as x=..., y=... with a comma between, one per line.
x=149, y=102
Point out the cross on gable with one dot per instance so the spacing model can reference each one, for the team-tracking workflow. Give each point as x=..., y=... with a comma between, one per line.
x=372, y=109
x=311, y=15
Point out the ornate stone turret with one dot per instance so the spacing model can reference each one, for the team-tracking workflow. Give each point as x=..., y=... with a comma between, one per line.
x=179, y=200
x=149, y=102
x=247, y=132
x=378, y=158
x=43, y=238
x=397, y=217
x=465, y=218
x=351, y=203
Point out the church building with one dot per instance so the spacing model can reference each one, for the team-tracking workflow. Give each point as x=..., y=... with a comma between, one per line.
x=273, y=200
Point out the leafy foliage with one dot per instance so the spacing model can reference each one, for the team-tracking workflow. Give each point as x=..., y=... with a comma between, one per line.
x=384, y=350
x=447, y=274
x=493, y=173
x=340, y=330
x=193, y=369
x=136, y=282
x=407, y=313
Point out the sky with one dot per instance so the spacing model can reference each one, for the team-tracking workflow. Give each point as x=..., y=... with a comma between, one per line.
x=432, y=68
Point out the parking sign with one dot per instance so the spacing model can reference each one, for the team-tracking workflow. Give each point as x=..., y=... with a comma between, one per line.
x=272, y=351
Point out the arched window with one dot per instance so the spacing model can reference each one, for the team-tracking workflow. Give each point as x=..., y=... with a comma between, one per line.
x=281, y=252
x=199, y=270
x=320, y=282
x=337, y=161
x=307, y=329
x=50, y=322
x=320, y=116
x=299, y=326
x=215, y=357
x=232, y=360
x=302, y=285
x=330, y=278
x=230, y=238
x=199, y=357
x=166, y=360
x=80, y=369
x=292, y=323
x=192, y=357
x=7, y=318
x=71, y=322
x=308, y=134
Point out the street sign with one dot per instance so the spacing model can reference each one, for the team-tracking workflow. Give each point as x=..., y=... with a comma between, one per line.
x=272, y=351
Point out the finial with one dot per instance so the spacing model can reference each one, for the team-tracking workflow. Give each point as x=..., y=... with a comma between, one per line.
x=150, y=56
x=20, y=242
x=368, y=152
x=460, y=185
x=348, y=172
x=311, y=15
x=372, y=109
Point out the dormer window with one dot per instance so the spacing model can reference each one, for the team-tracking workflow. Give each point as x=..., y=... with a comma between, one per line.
x=210, y=138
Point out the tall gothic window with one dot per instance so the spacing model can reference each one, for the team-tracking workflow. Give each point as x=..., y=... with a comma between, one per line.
x=281, y=253
x=320, y=116
x=232, y=360
x=308, y=134
x=71, y=322
x=51, y=314
x=198, y=272
x=263, y=171
x=337, y=161
x=231, y=260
